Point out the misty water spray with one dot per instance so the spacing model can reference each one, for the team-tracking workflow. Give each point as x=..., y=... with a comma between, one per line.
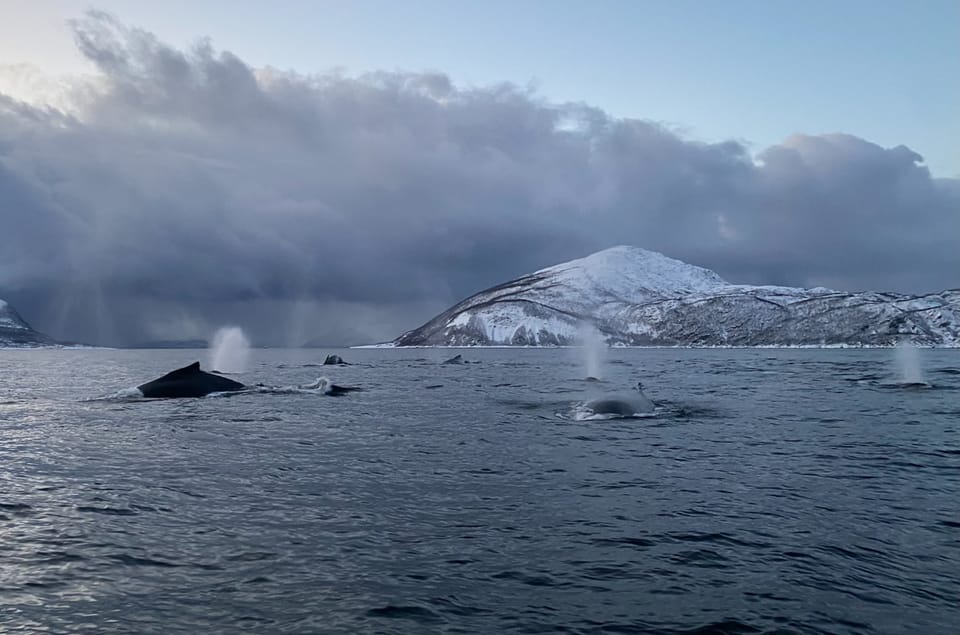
x=230, y=350
x=593, y=349
x=908, y=363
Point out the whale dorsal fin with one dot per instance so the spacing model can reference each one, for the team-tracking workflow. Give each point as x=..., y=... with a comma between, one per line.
x=192, y=369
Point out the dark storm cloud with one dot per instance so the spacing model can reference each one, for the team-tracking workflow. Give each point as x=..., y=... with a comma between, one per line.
x=186, y=189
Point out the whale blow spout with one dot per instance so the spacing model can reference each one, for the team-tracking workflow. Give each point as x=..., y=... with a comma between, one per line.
x=908, y=364
x=230, y=350
x=594, y=347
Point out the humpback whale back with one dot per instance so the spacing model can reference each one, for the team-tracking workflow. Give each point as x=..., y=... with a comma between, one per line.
x=188, y=381
x=617, y=406
x=180, y=373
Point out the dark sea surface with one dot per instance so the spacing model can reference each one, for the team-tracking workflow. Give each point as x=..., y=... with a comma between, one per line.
x=787, y=491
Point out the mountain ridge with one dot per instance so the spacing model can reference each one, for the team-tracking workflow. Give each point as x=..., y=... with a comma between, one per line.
x=636, y=297
x=16, y=333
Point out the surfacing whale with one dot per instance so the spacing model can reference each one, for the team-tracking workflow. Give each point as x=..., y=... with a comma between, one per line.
x=617, y=406
x=188, y=381
x=327, y=387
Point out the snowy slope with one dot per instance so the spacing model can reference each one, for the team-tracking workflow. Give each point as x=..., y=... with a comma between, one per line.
x=637, y=297
x=15, y=332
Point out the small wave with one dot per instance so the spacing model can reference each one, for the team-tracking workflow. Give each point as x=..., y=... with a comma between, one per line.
x=703, y=558
x=907, y=385
x=581, y=413
x=865, y=378
x=530, y=579
x=260, y=579
x=321, y=386
x=16, y=509
x=110, y=511
x=305, y=389
x=252, y=556
x=607, y=417
x=454, y=606
x=726, y=627
x=885, y=382
x=124, y=394
x=417, y=613
x=626, y=541
x=14, y=506
x=715, y=537
x=58, y=557
x=128, y=393
x=522, y=404
x=136, y=561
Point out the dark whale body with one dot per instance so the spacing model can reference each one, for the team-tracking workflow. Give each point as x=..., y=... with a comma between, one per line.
x=188, y=381
x=627, y=406
x=615, y=406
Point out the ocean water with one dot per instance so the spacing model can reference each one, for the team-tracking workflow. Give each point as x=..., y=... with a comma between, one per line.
x=799, y=491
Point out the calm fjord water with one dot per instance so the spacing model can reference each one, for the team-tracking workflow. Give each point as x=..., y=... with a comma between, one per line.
x=775, y=491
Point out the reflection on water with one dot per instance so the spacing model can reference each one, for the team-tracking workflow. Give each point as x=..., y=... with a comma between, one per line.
x=789, y=490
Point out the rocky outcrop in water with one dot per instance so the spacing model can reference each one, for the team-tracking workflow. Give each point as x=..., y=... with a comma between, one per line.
x=635, y=297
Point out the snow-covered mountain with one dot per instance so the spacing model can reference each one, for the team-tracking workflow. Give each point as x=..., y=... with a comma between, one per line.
x=15, y=332
x=636, y=297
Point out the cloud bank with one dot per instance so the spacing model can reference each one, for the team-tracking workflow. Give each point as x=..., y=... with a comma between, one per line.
x=185, y=189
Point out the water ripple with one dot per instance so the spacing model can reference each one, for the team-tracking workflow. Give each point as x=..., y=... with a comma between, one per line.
x=774, y=492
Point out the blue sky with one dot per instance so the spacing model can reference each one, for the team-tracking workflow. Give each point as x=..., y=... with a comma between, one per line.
x=886, y=71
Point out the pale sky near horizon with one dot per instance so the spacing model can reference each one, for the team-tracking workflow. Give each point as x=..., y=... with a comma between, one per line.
x=757, y=72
